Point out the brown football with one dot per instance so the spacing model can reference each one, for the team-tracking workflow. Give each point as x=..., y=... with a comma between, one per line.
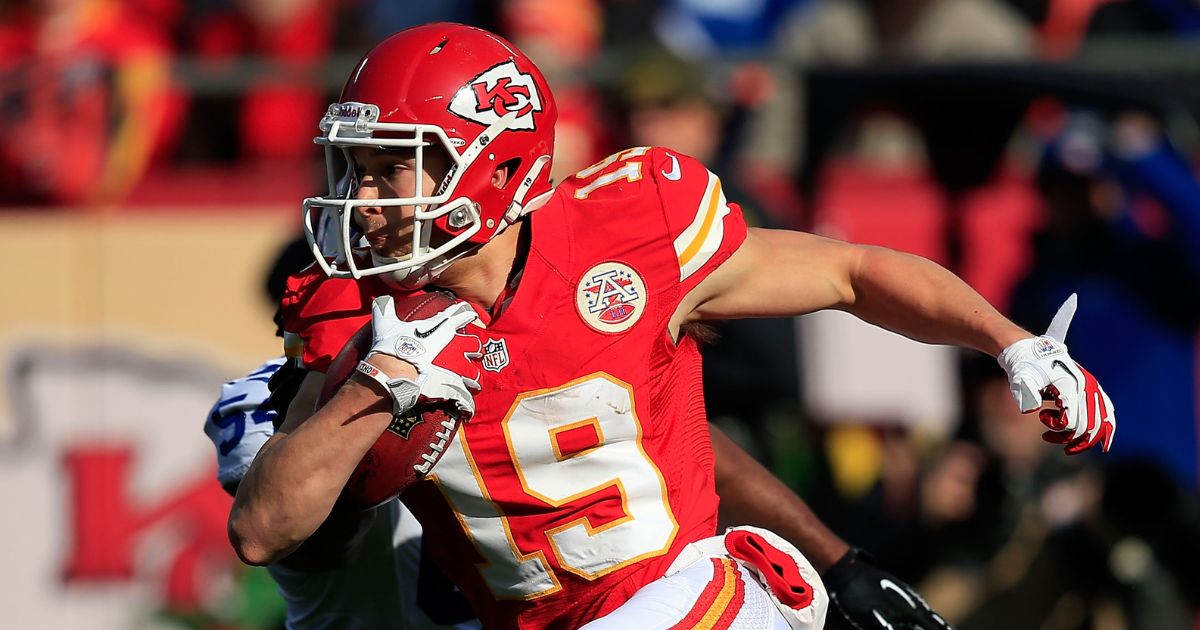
x=413, y=443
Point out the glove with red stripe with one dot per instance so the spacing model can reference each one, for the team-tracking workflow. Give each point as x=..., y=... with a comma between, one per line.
x=1040, y=370
x=438, y=346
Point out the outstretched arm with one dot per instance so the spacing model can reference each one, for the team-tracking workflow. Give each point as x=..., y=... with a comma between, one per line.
x=779, y=273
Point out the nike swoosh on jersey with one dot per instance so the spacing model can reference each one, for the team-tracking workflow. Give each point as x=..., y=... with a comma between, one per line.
x=674, y=173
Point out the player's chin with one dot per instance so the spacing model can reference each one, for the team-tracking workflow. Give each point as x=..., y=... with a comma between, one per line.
x=392, y=247
x=392, y=253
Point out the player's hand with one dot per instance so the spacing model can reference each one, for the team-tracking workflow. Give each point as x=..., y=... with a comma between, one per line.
x=284, y=386
x=441, y=351
x=1039, y=370
x=862, y=596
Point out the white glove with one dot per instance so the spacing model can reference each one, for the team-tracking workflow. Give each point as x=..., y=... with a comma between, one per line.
x=1039, y=369
x=441, y=353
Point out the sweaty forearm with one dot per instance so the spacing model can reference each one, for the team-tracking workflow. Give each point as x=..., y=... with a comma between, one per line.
x=751, y=495
x=296, y=478
x=921, y=300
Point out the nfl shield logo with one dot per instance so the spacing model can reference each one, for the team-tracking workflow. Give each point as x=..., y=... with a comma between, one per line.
x=495, y=355
x=1043, y=347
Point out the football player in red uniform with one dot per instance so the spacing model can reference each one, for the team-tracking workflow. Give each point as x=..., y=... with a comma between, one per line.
x=321, y=312
x=585, y=477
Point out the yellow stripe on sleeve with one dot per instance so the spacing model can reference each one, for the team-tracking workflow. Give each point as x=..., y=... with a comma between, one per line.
x=697, y=244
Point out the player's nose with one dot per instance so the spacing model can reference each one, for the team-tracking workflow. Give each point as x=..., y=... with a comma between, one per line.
x=368, y=190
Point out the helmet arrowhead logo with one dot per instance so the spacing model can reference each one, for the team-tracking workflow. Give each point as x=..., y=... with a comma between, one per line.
x=496, y=92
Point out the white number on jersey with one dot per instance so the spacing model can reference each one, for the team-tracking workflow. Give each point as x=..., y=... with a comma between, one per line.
x=537, y=429
x=630, y=171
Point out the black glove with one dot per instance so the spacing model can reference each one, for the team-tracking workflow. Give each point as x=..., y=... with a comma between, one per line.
x=284, y=385
x=864, y=597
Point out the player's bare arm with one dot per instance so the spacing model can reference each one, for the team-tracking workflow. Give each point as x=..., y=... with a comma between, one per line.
x=298, y=410
x=339, y=538
x=292, y=486
x=779, y=273
x=296, y=478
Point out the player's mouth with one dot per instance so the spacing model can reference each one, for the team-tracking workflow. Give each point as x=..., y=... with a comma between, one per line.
x=388, y=245
x=376, y=234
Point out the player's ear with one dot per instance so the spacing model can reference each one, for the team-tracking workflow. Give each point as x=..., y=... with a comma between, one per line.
x=503, y=172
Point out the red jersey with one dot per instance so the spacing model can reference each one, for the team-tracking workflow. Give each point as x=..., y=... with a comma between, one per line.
x=319, y=314
x=587, y=466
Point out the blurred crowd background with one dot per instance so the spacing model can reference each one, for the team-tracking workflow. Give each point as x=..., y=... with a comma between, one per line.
x=1036, y=147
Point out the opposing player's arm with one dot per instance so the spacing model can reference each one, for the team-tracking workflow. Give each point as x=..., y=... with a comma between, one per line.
x=861, y=595
x=751, y=495
x=782, y=272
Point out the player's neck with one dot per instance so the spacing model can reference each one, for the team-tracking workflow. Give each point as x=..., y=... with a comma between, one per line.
x=482, y=277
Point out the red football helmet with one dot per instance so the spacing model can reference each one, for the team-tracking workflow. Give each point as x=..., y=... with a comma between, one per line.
x=468, y=93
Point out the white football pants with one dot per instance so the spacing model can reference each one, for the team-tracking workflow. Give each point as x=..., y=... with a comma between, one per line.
x=706, y=587
x=712, y=593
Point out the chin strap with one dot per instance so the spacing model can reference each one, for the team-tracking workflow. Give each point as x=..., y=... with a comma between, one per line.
x=421, y=275
x=516, y=209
